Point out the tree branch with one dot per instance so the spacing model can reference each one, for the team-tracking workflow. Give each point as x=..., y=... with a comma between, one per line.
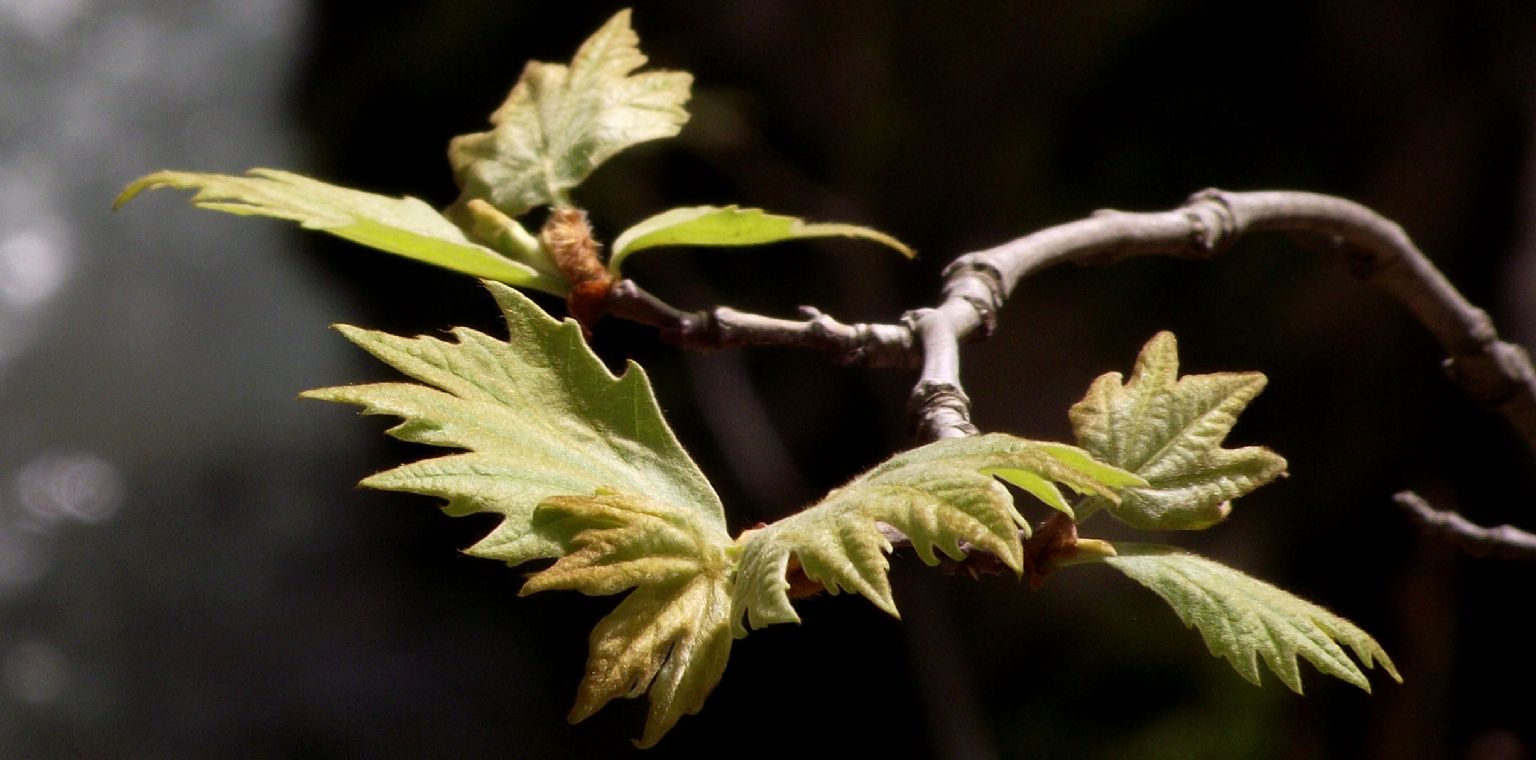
x=1503, y=542
x=1495, y=373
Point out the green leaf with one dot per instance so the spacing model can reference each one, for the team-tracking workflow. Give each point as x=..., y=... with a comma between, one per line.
x=559, y=123
x=1244, y=619
x=403, y=226
x=1169, y=430
x=732, y=226
x=671, y=635
x=938, y=496
x=541, y=417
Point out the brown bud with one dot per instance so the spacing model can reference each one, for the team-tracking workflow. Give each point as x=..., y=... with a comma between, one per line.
x=568, y=238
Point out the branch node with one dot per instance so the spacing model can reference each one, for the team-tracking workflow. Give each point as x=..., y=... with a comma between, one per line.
x=1480, y=329
x=1212, y=223
x=940, y=410
x=979, y=284
x=1496, y=375
x=859, y=352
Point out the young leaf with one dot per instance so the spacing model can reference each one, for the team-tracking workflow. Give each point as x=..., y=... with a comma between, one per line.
x=1244, y=619
x=731, y=226
x=1169, y=430
x=671, y=635
x=541, y=417
x=559, y=123
x=938, y=495
x=403, y=226
x=544, y=423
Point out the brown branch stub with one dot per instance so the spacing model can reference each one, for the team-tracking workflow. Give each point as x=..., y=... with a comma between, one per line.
x=627, y=300
x=1502, y=542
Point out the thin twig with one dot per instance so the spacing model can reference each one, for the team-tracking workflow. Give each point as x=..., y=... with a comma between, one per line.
x=876, y=345
x=1503, y=542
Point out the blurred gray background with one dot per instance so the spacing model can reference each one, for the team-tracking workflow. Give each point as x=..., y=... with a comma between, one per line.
x=186, y=568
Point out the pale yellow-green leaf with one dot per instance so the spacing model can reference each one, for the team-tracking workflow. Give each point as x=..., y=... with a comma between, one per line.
x=540, y=415
x=671, y=636
x=404, y=226
x=1246, y=620
x=560, y=123
x=1169, y=430
x=732, y=226
x=939, y=496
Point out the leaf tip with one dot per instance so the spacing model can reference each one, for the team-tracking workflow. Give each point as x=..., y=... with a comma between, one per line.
x=128, y=193
x=583, y=709
x=351, y=332
x=1386, y=664
x=1163, y=342
x=531, y=586
x=651, y=736
x=134, y=188
x=328, y=393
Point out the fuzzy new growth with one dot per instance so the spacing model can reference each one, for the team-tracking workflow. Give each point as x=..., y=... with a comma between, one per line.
x=568, y=238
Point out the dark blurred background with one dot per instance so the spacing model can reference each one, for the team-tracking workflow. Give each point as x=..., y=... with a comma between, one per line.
x=186, y=569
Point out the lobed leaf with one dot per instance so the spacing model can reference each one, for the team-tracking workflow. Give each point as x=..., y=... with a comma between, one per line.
x=560, y=123
x=404, y=226
x=1244, y=619
x=732, y=226
x=547, y=427
x=541, y=417
x=1169, y=430
x=671, y=635
x=939, y=496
